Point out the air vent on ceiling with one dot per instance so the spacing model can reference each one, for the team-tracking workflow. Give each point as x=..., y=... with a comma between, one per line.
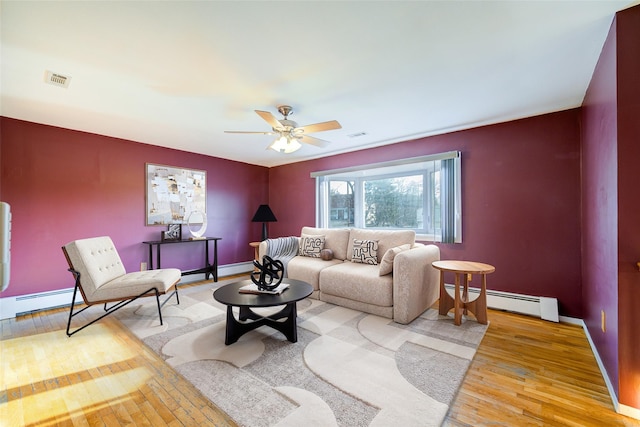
x=356, y=135
x=56, y=79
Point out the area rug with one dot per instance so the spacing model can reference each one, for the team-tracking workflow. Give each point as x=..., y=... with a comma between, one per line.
x=348, y=368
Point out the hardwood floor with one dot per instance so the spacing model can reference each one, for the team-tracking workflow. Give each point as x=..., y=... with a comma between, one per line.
x=103, y=378
x=530, y=372
x=527, y=372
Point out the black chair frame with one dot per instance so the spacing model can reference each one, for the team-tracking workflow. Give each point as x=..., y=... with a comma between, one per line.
x=119, y=305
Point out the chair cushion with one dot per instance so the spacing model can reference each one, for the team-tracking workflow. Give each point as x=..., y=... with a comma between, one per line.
x=137, y=282
x=97, y=261
x=103, y=277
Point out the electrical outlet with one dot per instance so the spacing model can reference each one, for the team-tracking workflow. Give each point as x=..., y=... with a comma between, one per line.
x=469, y=276
x=143, y=266
x=603, y=319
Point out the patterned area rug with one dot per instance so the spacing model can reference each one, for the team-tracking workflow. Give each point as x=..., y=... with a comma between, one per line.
x=347, y=369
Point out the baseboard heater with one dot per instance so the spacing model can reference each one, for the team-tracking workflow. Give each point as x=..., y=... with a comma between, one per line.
x=544, y=307
x=11, y=307
x=23, y=304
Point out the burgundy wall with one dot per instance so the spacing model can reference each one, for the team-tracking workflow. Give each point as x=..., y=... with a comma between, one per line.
x=521, y=200
x=611, y=207
x=600, y=207
x=64, y=185
x=628, y=47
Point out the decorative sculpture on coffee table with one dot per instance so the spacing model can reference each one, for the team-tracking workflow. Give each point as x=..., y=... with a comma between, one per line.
x=269, y=274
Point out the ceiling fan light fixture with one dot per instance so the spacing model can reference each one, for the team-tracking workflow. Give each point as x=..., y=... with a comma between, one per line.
x=290, y=135
x=285, y=144
x=292, y=145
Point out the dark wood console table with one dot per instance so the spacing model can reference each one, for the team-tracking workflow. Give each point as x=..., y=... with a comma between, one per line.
x=209, y=269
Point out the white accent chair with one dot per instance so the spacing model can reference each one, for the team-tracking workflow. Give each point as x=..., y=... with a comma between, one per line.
x=101, y=278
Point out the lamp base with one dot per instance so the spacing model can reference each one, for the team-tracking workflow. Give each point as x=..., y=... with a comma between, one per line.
x=264, y=231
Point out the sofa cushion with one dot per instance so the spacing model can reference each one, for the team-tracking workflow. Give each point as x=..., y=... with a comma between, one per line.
x=359, y=282
x=386, y=264
x=365, y=251
x=336, y=239
x=311, y=246
x=308, y=269
x=387, y=239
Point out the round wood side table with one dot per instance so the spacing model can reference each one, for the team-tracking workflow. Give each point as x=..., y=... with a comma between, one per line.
x=460, y=303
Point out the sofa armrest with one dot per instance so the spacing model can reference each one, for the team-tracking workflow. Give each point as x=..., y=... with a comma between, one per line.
x=262, y=249
x=416, y=284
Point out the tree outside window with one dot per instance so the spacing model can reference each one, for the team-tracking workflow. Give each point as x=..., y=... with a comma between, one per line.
x=421, y=194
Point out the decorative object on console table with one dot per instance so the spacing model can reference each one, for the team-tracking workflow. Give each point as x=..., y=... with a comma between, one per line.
x=174, y=232
x=197, y=217
x=264, y=215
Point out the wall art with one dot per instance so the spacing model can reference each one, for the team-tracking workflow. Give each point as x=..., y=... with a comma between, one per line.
x=172, y=193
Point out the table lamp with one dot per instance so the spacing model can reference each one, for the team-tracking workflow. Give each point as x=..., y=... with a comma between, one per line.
x=264, y=215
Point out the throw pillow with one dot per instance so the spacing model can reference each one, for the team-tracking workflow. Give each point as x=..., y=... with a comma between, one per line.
x=365, y=251
x=326, y=254
x=311, y=246
x=386, y=263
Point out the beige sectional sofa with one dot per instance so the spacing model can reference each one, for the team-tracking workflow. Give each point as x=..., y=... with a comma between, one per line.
x=375, y=271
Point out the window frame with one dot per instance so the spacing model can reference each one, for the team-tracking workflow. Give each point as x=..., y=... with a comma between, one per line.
x=392, y=169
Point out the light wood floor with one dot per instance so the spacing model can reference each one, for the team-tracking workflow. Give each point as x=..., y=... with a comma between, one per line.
x=531, y=372
x=106, y=377
x=526, y=372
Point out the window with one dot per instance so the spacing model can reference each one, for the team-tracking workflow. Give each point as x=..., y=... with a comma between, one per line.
x=421, y=194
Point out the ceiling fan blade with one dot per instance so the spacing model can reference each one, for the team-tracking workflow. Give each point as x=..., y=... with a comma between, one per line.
x=313, y=141
x=269, y=118
x=248, y=131
x=320, y=127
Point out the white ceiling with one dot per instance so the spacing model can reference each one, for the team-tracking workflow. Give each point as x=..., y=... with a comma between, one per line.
x=179, y=73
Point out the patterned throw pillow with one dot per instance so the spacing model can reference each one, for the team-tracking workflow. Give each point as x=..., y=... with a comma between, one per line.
x=365, y=251
x=311, y=246
x=386, y=264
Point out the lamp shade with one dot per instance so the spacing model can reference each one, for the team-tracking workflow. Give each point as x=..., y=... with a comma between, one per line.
x=264, y=214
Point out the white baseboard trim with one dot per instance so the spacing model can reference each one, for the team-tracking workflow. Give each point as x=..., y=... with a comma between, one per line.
x=529, y=305
x=603, y=370
x=619, y=407
x=628, y=411
x=12, y=307
x=233, y=269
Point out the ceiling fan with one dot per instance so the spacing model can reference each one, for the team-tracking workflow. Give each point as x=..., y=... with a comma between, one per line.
x=289, y=134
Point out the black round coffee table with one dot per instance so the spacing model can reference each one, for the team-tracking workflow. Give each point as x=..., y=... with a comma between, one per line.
x=230, y=296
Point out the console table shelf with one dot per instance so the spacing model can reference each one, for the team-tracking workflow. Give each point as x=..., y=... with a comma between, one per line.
x=209, y=269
